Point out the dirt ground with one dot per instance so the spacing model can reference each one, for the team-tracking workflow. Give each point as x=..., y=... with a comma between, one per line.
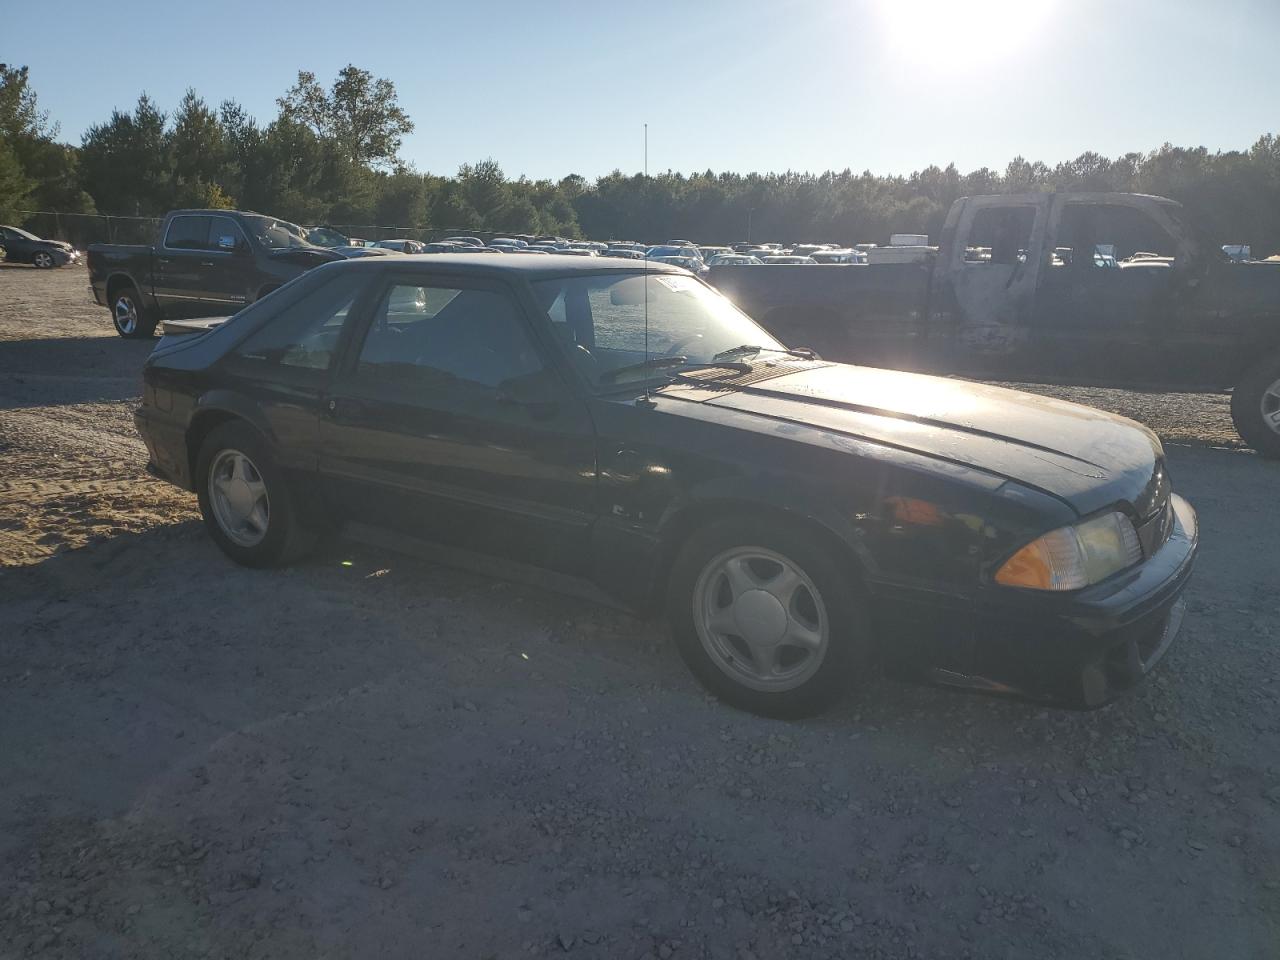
x=372, y=756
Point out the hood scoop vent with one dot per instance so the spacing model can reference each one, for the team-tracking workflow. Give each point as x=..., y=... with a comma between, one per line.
x=760, y=371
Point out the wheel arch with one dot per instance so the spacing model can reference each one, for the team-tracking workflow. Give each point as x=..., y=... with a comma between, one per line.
x=117, y=282
x=212, y=413
x=696, y=514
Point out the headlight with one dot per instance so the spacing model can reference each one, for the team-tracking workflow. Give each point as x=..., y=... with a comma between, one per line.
x=1073, y=557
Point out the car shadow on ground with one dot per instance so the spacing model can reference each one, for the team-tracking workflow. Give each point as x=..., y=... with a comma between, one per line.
x=506, y=618
x=89, y=370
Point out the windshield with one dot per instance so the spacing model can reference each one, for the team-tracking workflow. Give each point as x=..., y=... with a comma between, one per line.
x=600, y=321
x=273, y=233
x=22, y=233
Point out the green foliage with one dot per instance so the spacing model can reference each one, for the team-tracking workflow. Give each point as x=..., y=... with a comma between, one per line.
x=35, y=170
x=359, y=116
x=125, y=162
x=20, y=113
x=15, y=187
x=331, y=156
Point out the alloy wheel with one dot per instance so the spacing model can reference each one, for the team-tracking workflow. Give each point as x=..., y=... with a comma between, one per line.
x=761, y=619
x=238, y=496
x=1271, y=407
x=126, y=315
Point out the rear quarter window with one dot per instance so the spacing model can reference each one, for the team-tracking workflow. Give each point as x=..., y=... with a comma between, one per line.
x=300, y=342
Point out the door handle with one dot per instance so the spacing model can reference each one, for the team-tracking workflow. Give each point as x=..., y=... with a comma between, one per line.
x=344, y=408
x=206, y=263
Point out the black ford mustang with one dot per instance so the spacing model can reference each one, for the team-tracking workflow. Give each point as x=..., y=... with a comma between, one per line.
x=626, y=425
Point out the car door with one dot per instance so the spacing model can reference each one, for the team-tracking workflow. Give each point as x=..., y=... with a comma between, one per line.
x=1102, y=316
x=987, y=285
x=180, y=261
x=448, y=421
x=18, y=248
x=229, y=274
x=279, y=372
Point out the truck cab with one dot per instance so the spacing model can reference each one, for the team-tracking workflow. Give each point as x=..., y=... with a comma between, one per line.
x=1110, y=289
x=204, y=263
x=1107, y=288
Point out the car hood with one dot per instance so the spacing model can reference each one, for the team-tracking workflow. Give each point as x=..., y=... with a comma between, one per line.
x=1086, y=457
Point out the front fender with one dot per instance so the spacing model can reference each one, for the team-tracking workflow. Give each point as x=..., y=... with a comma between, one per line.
x=633, y=557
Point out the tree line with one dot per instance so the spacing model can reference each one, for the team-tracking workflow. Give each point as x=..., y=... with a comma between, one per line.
x=332, y=155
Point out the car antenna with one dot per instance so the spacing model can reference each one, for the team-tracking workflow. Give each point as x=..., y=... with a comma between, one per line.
x=645, y=399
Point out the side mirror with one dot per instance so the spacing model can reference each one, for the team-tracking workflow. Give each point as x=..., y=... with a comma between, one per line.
x=227, y=243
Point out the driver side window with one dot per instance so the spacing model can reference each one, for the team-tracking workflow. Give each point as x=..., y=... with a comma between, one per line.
x=426, y=334
x=222, y=229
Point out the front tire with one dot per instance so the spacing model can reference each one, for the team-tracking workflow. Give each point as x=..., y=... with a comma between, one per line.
x=42, y=260
x=245, y=499
x=1255, y=408
x=131, y=319
x=767, y=618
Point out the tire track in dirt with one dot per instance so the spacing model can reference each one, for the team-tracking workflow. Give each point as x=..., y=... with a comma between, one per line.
x=72, y=474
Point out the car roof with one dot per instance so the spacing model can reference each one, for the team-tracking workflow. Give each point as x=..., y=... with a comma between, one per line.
x=528, y=268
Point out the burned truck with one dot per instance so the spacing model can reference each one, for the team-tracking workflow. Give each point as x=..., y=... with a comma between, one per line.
x=1100, y=289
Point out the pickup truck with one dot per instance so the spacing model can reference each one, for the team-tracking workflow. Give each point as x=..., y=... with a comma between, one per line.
x=206, y=263
x=1101, y=289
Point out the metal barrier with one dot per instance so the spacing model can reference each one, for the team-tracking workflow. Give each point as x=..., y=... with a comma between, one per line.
x=82, y=229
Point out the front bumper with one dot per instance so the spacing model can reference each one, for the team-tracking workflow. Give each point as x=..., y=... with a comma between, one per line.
x=1086, y=649
x=1075, y=650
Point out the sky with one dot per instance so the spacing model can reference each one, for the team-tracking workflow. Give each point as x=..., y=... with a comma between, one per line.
x=549, y=87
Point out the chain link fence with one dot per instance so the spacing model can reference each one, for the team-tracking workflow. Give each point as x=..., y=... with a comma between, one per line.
x=82, y=229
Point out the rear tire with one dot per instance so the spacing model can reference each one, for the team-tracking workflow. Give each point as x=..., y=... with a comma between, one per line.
x=767, y=618
x=245, y=499
x=131, y=319
x=1255, y=408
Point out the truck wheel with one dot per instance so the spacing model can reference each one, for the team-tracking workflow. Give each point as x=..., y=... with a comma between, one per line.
x=42, y=260
x=1255, y=408
x=131, y=319
x=766, y=619
x=245, y=499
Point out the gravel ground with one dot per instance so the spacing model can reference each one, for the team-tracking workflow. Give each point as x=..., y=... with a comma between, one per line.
x=369, y=756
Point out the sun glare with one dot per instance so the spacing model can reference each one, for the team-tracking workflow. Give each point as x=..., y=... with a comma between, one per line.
x=947, y=34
